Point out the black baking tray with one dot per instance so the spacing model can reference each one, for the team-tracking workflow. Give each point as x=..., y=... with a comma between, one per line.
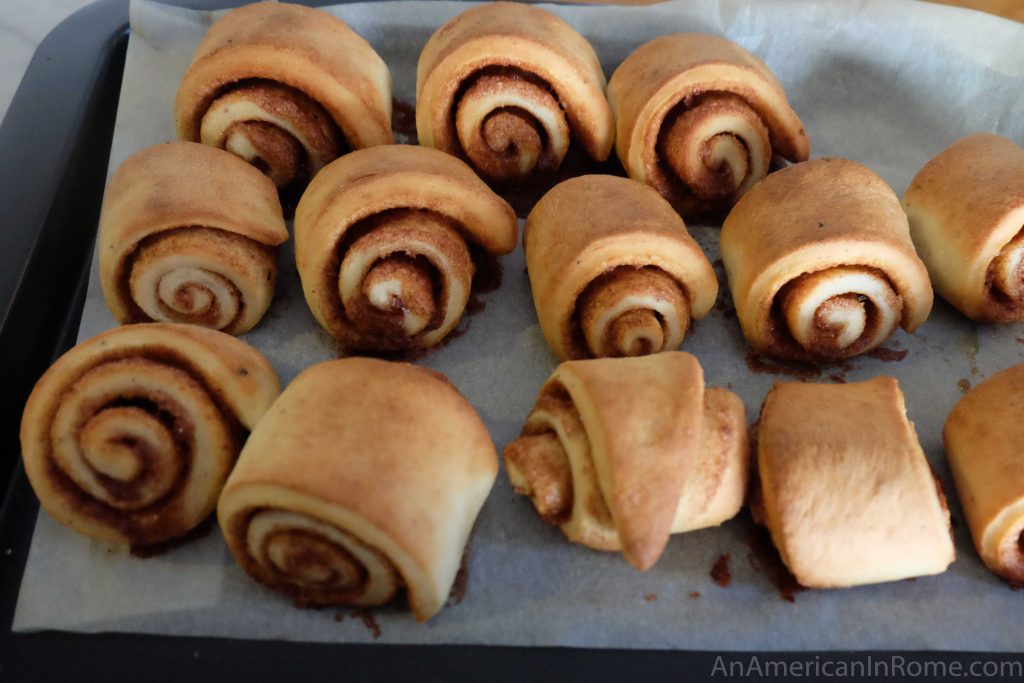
x=54, y=150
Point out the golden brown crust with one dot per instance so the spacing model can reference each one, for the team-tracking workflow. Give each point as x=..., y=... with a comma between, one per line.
x=129, y=436
x=408, y=209
x=623, y=452
x=340, y=84
x=594, y=232
x=382, y=466
x=847, y=493
x=506, y=55
x=700, y=102
x=838, y=223
x=966, y=211
x=983, y=437
x=188, y=234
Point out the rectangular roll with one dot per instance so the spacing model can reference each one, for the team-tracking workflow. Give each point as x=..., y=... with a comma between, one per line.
x=845, y=489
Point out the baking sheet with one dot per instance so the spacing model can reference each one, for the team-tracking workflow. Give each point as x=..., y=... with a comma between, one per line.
x=886, y=83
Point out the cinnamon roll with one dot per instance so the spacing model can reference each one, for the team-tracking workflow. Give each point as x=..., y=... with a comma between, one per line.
x=820, y=263
x=844, y=487
x=699, y=119
x=507, y=86
x=966, y=211
x=287, y=88
x=189, y=234
x=363, y=479
x=384, y=242
x=984, y=440
x=130, y=436
x=613, y=270
x=623, y=452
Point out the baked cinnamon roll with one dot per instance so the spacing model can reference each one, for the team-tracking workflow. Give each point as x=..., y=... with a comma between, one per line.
x=844, y=487
x=363, y=479
x=287, y=88
x=984, y=440
x=508, y=86
x=699, y=119
x=384, y=240
x=130, y=435
x=622, y=452
x=613, y=270
x=189, y=234
x=966, y=211
x=820, y=263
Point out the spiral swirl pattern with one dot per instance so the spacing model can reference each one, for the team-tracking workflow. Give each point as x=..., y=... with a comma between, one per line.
x=716, y=146
x=384, y=240
x=316, y=562
x=508, y=87
x=510, y=126
x=363, y=480
x=820, y=263
x=204, y=277
x=699, y=119
x=286, y=88
x=842, y=311
x=277, y=129
x=387, y=276
x=633, y=312
x=127, y=439
x=613, y=270
x=189, y=234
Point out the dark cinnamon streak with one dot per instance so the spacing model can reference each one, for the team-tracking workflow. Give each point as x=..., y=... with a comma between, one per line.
x=888, y=355
x=201, y=530
x=403, y=122
x=147, y=526
x=720, y=571
x=461, y=580
x=764, y=558
x=369, y=621
x=768, y=367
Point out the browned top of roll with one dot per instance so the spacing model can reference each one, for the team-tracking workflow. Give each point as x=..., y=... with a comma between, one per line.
x=661, y=72
x=820, y=213
x=182, y=184
x=975, y=181
x=304, y=48
x=367, y=182
x=640, y=472
x=848, y=493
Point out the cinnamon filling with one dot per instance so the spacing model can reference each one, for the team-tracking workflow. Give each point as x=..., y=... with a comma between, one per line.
x=712, y=147
x=838, y=312
x=278, y=129
x=510, y=124
x=632, y=311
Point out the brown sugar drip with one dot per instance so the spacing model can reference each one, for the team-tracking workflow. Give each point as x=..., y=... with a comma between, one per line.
x=720, y=571
x=764, y=558
x=403, y=122
x=524, y=194
x=201, y=530
x=461, y=580
x=888, y=355
x=369, y=621
x=762, y=366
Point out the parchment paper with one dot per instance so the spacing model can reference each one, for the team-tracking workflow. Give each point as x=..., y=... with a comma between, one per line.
x=886, y=83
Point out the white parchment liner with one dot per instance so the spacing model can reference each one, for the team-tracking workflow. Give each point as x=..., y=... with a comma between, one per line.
x=887, y=83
